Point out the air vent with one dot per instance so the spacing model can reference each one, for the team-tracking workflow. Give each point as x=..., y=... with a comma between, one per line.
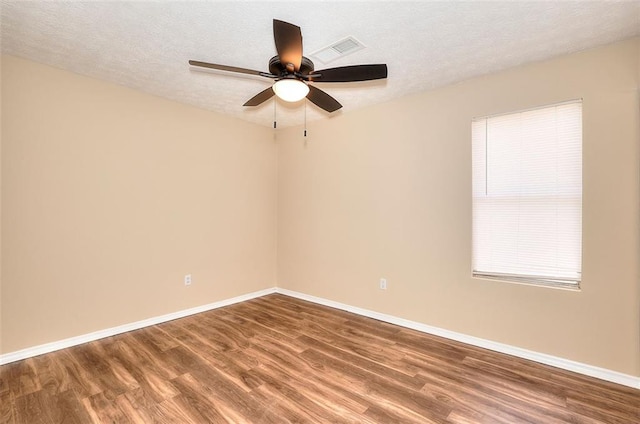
x=337, y=50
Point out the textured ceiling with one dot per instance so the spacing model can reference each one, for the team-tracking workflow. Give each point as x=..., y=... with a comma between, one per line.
x=146, y=45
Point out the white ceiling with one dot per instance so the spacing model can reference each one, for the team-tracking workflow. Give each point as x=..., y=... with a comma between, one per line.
x=145, y=45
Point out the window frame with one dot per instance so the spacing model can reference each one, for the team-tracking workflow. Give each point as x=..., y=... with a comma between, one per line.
x=524, y=278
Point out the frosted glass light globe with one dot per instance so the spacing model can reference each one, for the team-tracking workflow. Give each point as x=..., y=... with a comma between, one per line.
x=290, y=90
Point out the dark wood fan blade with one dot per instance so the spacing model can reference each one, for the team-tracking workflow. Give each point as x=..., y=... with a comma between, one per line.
x=230, y=68
x=323, y=100
x=260, y=98
x=288, y=40
x=350, y=73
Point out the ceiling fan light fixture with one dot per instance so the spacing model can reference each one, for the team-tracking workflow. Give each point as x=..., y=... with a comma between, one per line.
x=290, y=70
x=290, y=90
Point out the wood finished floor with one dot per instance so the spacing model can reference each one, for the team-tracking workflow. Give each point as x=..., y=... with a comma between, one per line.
x=277, y=359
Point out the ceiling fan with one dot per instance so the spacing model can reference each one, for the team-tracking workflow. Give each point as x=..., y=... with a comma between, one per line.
x=292, y=72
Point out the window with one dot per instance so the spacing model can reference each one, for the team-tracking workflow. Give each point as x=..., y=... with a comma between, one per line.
x=527, y=196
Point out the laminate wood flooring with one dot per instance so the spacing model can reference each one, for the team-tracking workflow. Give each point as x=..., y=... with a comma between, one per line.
x=277, y=359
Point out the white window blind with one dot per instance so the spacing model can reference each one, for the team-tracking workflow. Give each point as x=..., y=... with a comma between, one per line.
x=527, y=196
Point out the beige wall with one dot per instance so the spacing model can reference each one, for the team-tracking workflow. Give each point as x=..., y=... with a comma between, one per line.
x=1, y=344
x=386, y=192
x=110, y=196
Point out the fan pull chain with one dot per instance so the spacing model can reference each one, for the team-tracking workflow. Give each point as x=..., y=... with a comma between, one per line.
x=274, y=113
x=305, y=120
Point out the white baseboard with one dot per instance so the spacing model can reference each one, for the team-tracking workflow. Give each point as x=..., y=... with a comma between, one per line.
x=554, y=361
x=74, y=341
x=590, y=370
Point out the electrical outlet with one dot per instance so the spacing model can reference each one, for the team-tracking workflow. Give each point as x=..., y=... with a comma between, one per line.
x=187, y=280
x=383, y=284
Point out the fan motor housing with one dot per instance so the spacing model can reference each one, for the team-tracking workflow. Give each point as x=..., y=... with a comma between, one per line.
x=276, y=67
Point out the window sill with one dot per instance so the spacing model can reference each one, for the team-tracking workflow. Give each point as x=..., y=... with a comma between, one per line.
x=530, y=281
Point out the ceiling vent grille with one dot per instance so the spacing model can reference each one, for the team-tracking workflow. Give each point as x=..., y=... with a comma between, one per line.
x=338, y=49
